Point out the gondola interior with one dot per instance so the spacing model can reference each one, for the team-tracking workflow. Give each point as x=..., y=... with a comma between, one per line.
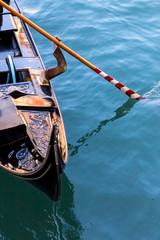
x=32, y=137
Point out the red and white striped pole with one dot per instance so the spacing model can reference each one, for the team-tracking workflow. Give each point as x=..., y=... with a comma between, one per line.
x=117, y=84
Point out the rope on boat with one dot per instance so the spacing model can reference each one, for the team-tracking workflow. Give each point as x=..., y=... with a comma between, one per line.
x=8, y=77
x=12, y=69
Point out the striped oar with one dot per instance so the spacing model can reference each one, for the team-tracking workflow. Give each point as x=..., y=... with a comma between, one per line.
x=117, y=84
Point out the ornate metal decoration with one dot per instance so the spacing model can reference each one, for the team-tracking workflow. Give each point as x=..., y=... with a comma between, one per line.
x=40, y=127
x=7, y=89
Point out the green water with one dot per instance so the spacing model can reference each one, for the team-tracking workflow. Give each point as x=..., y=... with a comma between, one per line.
x=111, y=186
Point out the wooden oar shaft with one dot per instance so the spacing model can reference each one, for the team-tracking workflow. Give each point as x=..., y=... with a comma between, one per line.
x=117, y=84
x=47, y=35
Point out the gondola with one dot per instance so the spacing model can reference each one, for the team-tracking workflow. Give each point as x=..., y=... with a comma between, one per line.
x=33, y=143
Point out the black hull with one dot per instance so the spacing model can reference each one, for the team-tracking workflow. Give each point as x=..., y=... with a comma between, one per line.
x=48, y=178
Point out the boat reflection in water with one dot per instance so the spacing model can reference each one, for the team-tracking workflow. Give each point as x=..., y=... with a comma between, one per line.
x=33, y=213
x=120, y=112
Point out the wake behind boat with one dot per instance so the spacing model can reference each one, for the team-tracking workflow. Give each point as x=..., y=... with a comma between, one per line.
x=33, y=144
